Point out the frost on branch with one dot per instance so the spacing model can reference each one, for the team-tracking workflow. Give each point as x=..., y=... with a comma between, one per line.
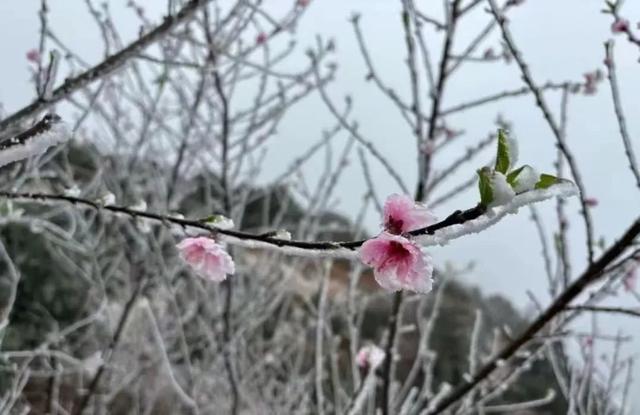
x=441, y=237
x=523, y=179
x=499, y=185
x=48, y=132
x=501, y=190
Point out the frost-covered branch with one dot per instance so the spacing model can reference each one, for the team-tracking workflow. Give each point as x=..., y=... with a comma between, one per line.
x=548, y=116
x=47, y=132
x=456, y=225
x=591, y=274
x=104, y=68
x=617, y=105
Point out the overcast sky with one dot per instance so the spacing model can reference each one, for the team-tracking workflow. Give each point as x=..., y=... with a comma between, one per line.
x=560, y=39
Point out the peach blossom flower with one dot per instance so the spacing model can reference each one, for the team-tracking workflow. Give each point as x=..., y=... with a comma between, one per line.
x=207, y=258
x=33, y=56
x=370, y=356
x=402, y=214
x=398, y=263
x=591, y=201
x=631, y=278
x=620, y=26
x=588, y=341
x=261, y=38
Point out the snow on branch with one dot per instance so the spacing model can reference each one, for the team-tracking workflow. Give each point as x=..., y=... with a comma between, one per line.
x=456, y=225
x=495, y=214
x=48, y=132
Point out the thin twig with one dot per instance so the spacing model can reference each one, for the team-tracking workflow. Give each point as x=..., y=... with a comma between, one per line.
x=542, y=104
x=104, y=68
x=602, y=309
x=390, y=350
x=617, y=105
x=115, y=340
x=593, y=272
x=436, y=101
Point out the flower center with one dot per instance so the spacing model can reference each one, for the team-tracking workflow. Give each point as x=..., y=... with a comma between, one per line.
x=394, y=226
x=397, y=250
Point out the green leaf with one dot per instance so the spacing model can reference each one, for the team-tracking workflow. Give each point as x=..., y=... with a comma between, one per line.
x=503, y=161
x=484, y=185
x=512, y=178
x=546, y=180
x=523, y=179
x=213, y=219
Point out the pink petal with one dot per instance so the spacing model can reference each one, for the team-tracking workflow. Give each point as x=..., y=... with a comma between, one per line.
x=631, y=278
x=398, y=263
x=362, y=357
x=206, y=257
x=33, y=56
x=370, y=356
x=402, y=214
x=620, y=26
x=373, y=251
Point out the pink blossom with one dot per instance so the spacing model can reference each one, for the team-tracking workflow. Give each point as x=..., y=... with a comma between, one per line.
x=398, y=263
x=591, y=80
x=588, y=341
x=591, y=201
x=620, y=26
x=261, y=38
x=33, y=56
x=303, y=3
x=370, y=356
x=207, y=258
x=402, y=214
x=427, y=147
x=631, y=278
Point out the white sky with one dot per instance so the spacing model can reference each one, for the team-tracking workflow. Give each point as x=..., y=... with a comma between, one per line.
x=560, y=39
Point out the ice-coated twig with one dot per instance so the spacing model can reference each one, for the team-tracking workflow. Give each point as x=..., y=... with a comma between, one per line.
x=320, y=326
x=443, y=235
x=436, y=100
x=353, y=130
x=113, y=344
x=591, y=274
x=499, y=96
x=521, y=406
x=602, y=309
x=546, y=257
x=367, y=386
x=47, y=132
x=458, y=224
x=13, y=275
x=388, y=366
x=106, y=67
x=617, y=105
x=546, y=112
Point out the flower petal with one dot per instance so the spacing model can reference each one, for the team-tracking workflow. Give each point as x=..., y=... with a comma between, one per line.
x=206, y=257
x=402, y=214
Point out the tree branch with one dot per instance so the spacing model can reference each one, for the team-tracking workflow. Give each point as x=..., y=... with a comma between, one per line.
x=593, y=272
x=104, y=68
